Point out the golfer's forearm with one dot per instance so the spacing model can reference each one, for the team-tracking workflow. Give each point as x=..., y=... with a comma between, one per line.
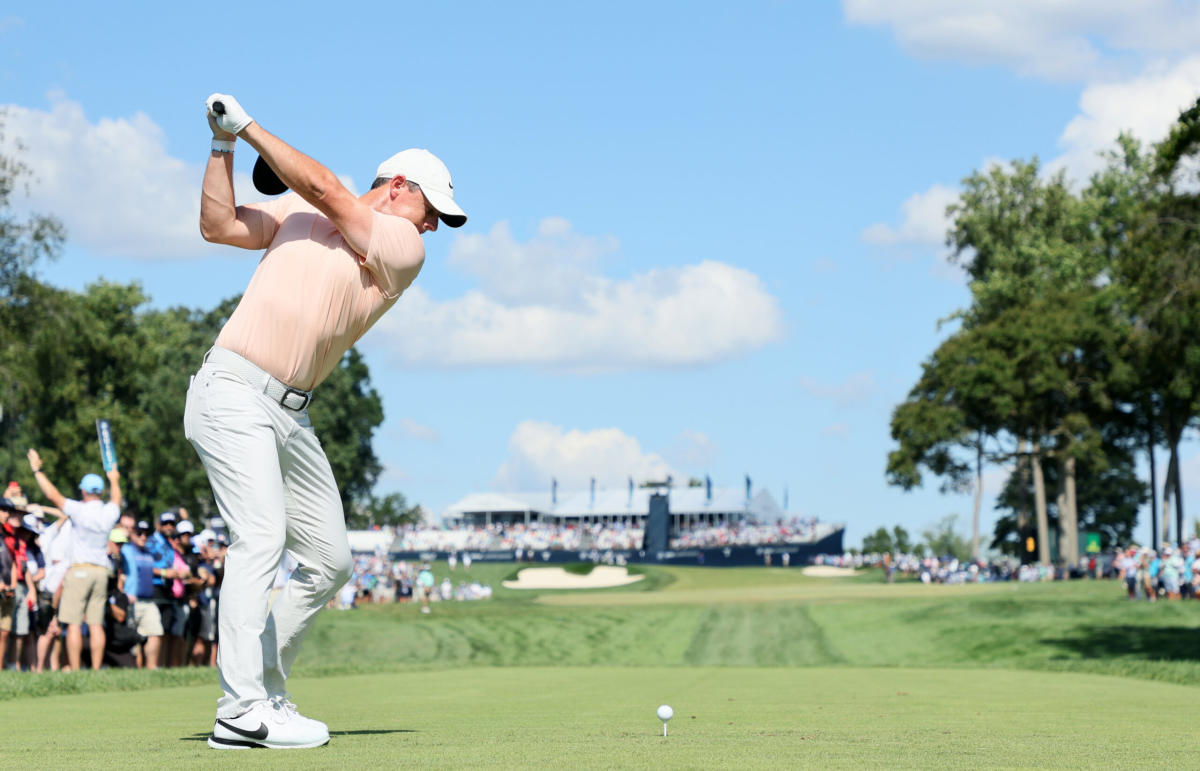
x=217, y=207
x=305, y=176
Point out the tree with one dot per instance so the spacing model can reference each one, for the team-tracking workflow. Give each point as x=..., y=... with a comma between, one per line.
x=392, y=510
x=879, y=542
x=1147, y=216
x=942, y=540
x=25, y=241
x=1110, y=495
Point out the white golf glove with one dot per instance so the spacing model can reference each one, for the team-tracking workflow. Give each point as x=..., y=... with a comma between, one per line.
x=230, y=116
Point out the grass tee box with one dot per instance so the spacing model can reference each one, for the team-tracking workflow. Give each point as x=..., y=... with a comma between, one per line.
x=604, y=718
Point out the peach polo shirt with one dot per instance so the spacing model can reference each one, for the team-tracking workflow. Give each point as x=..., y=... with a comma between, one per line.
x=312, y=296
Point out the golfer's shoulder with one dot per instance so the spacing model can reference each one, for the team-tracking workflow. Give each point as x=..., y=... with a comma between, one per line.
x=395, y=243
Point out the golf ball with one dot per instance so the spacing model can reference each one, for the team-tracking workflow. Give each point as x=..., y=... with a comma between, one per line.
x=665, y=712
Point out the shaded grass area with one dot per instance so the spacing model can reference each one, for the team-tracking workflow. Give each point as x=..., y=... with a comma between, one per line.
x=603, y=717
x=754, y=618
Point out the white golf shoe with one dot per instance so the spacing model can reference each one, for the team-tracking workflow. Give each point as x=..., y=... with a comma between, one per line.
x=267, y=724
x=287, y=705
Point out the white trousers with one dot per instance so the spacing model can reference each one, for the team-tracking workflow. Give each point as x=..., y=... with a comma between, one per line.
x=275, y=490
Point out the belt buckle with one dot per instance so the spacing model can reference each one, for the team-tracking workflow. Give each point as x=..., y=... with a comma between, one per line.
x=304, y=399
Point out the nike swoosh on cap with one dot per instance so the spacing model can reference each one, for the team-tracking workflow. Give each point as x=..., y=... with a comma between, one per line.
x=258, y=733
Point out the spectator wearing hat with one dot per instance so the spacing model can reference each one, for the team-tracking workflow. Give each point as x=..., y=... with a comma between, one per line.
x=85, y=587
x=137, y=568
x=170, y=606
x=192, y=584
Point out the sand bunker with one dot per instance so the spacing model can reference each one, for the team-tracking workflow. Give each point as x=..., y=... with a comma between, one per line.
x=556, y=578
x=827, y=571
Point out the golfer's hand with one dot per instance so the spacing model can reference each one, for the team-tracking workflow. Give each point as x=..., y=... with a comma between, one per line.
x=234, y=118
x=218, y=132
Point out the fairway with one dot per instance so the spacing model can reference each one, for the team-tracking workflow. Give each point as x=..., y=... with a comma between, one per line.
x=765, y=668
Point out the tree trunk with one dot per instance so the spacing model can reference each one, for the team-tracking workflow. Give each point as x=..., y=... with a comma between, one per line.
x=1178, y=478
x=1023, y=471
x=1153, y=482
x=1168, y=501
x=1068, y=523
x=978, y=501
x=1039, y=501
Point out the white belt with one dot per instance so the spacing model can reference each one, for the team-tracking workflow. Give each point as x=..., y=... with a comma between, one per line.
x=276, y=390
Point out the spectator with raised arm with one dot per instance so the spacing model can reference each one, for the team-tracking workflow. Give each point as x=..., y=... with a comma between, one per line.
x=85, y=587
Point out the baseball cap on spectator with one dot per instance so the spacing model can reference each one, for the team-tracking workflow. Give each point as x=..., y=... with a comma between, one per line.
x=118, y=535
x=14, y=494
x=92, y=483
x=186, y=527
x=143, y=526
x=6, y=504
x=33, y=523
x=428, y=171
x=168, y=517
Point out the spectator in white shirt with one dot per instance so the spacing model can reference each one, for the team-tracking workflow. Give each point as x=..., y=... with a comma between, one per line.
x=85, y=586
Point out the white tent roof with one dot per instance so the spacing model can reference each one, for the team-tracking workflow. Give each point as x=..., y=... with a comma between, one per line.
x=512, y=503
x=619, y=503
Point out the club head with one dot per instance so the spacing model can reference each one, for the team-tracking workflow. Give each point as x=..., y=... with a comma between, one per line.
x=266, y=181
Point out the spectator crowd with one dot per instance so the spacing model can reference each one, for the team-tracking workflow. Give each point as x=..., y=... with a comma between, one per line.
x=603, y=536
x=153, y=603
x=1171, y=572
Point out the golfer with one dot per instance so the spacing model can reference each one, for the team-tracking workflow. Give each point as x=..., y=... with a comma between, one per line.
x=334, y=263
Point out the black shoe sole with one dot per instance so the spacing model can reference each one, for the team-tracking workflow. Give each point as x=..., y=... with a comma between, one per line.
x=217, y=743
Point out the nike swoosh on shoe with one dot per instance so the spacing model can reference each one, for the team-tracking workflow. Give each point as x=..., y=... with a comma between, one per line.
x=259, y=733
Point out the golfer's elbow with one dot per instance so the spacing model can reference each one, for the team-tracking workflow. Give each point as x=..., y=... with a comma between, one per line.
x=216, y=231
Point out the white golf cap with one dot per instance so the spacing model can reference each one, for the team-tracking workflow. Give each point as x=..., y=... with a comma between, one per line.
x=428, y=171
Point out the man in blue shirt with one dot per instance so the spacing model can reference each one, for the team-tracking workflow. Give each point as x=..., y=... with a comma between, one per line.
x=138, y=568
x=171, y=610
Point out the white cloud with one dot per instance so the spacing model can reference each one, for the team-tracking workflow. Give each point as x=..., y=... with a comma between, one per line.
x=571, y=318
x=555, y=268
x=1063, y=40
x=924, y=220
x=539, y=452
x=854, y=390
x=1145, y=106
x=111, y=182
x=411, y=429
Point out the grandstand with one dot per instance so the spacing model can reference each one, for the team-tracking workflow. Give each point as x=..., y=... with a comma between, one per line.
x=690, y=507
x=704, y=525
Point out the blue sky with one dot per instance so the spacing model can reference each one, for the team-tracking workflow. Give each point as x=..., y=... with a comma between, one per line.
x=704, y=238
